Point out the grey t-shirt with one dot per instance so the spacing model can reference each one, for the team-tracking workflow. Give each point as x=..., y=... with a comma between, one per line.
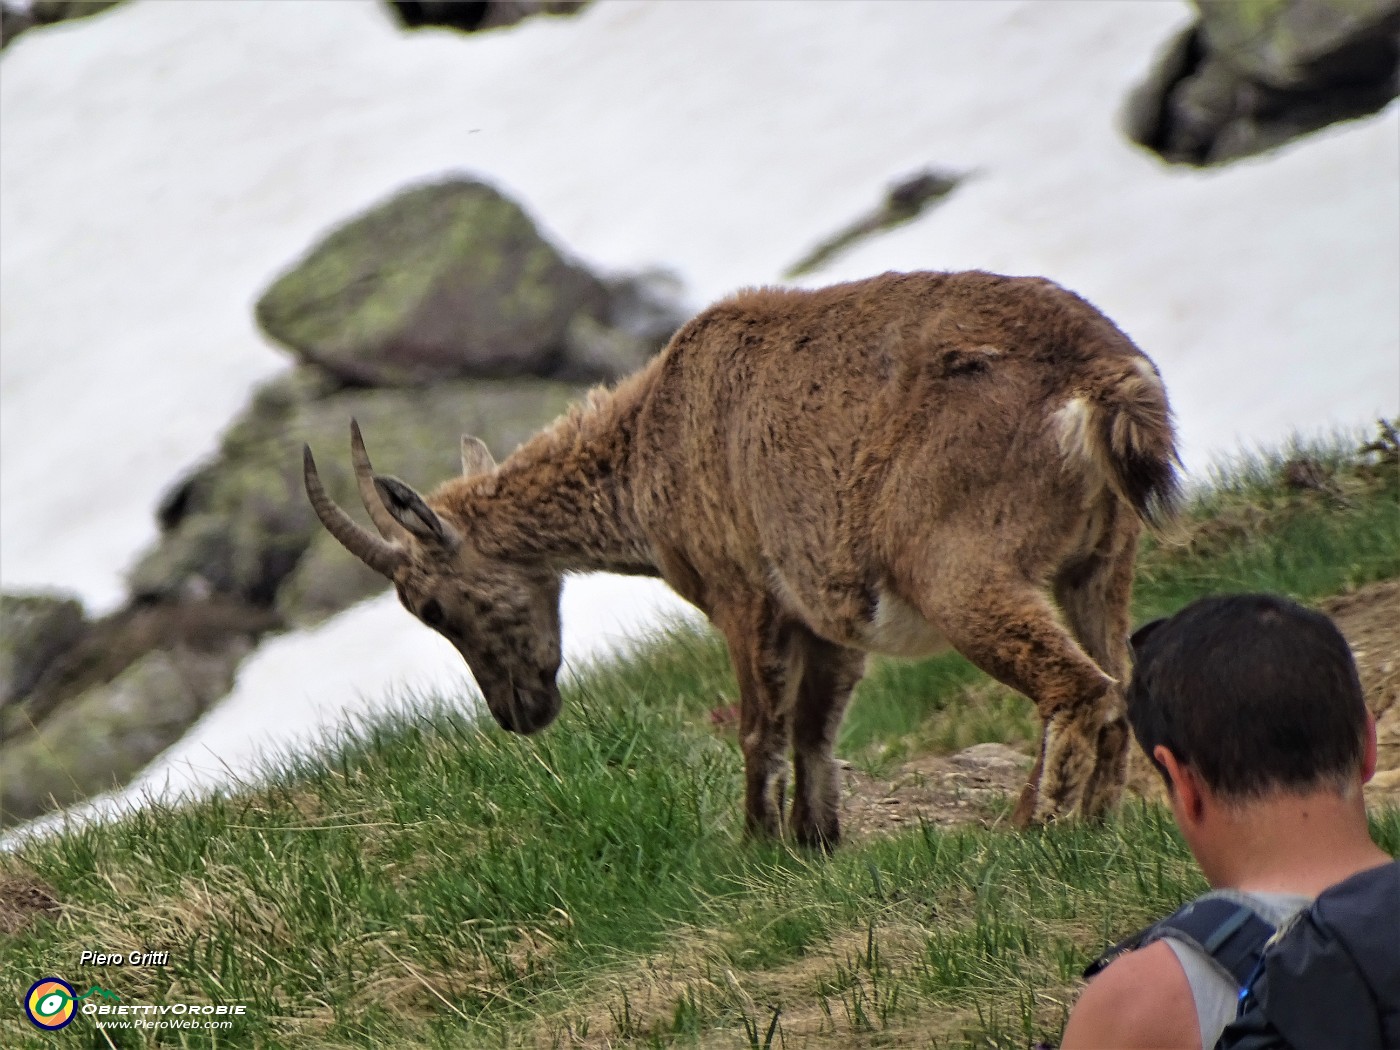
x=1215, y=993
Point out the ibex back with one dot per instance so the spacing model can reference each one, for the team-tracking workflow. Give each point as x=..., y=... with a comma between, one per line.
x=891, y=465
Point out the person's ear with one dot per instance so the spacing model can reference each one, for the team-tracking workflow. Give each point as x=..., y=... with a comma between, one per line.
x=1368, y=754
x=1183, y=784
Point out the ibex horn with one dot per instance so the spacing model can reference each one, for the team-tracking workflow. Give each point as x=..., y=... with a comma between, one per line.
x=369, y=495
x=381, y=556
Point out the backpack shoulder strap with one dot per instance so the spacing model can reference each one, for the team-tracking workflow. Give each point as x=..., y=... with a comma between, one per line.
x=1363, y=912
x=1219, y=925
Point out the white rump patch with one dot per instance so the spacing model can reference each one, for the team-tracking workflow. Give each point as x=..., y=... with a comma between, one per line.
x=1083, y=450
x=1147, y=371
x=1072, y=421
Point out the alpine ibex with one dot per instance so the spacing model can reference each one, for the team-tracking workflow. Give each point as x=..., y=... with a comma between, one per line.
x=891, y=465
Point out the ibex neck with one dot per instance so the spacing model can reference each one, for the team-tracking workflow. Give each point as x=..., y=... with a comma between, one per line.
x=564, y=498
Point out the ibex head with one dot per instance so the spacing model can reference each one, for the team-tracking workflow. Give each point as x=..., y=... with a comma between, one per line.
x=503, y=617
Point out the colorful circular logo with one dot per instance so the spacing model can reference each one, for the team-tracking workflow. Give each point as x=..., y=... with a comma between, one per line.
x=49, y=1003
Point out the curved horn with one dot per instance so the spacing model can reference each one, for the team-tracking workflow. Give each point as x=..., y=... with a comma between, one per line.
x=379, y=555
x=369, y=495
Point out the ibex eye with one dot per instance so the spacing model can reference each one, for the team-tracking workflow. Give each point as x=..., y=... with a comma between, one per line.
x=431, y=613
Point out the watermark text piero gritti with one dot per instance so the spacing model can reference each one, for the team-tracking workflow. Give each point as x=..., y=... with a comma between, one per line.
x=129, y=959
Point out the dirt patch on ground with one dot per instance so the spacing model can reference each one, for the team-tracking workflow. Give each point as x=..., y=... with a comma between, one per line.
x=971, y=786
x=1370, y=620
x=967, y=787
x=23, y=898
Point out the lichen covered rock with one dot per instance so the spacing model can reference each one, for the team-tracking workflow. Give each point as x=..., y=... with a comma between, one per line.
x=1252, y=74
x=241, y=525
x=443, y=281
x=103, y=737
x=34, y=630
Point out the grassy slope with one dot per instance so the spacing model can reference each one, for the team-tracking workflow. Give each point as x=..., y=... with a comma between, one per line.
x=436, y=883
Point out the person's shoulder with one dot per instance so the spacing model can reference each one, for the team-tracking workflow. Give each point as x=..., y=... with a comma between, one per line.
x=1141, y=1000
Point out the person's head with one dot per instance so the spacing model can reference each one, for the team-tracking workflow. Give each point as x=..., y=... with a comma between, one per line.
x=1252, y=692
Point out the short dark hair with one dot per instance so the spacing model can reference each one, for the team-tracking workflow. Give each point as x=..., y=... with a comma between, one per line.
x=1254, y=692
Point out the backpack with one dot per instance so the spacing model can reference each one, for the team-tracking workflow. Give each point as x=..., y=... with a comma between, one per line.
x=1329, y=979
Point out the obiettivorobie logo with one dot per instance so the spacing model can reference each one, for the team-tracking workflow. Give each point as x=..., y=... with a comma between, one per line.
x=51, y=1002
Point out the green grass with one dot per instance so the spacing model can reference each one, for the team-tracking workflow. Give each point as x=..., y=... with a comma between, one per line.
x=432, y=882
x=534, y=886
x=1335, y=528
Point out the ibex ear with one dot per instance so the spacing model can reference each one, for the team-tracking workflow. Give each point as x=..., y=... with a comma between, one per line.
x=476, y=457
x=409, y=510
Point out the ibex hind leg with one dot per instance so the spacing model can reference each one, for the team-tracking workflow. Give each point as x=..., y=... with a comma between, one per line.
x=1008, y=628
x=829, y=674
x=1095, y=596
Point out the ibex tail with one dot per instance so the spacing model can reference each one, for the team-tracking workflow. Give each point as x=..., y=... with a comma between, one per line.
x=1121, y=426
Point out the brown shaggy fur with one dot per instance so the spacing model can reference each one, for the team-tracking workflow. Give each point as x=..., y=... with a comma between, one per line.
x=890, y=465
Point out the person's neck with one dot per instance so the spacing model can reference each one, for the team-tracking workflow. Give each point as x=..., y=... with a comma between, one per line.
x=1287, y=843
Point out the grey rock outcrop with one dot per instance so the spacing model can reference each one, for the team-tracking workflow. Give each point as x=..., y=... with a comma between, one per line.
x=905, y=200
x=240, y=527
x=93, y=652
x=102, y=737
x=443, y=281
x=16, y=19
x=471, y=16
x=1250, y=76
x=35, y=630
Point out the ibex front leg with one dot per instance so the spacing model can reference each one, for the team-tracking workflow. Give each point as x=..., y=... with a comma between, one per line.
x=1008, y=629
x=767, y=665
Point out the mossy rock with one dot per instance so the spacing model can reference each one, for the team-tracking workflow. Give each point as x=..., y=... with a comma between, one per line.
x=1253, y=74
x=241, y=525
x=102, y=650
x=443, y=281
x=1302, y=44
x=103, y=737
x=34, y=630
